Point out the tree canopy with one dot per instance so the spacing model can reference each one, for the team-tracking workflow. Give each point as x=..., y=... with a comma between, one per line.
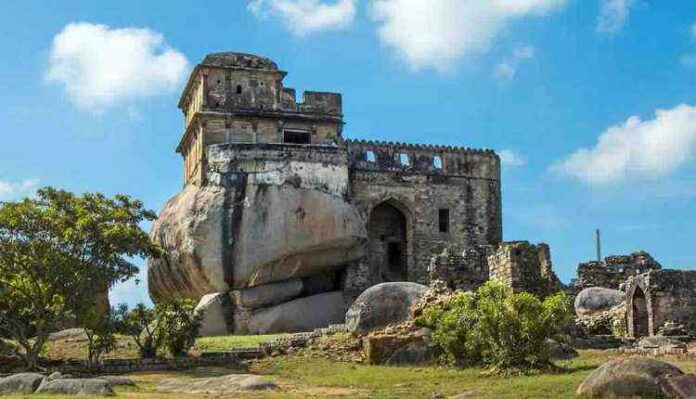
x=57, y=252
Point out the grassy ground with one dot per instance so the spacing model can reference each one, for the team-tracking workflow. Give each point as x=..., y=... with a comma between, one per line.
x=309, y=374
x=212, y=344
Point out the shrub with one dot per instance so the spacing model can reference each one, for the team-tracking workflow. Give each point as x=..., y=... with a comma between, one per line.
x=142, y=325
x=178, y=321
x=497, y=328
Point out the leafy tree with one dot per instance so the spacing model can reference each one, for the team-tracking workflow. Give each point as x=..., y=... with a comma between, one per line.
x=497, y=328
x=142, y=324
x=179, y=322
x=56, y=250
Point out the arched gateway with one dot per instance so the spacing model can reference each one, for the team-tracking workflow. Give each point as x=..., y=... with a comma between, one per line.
x=640, y=314
x=388, y=245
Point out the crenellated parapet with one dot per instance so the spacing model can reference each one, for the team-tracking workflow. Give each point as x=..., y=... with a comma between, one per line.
x=407, y=158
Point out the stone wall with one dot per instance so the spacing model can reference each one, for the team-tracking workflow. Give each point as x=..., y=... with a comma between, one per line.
x=613, y=271
x=660, y=296
x=459, y=269
x=447, y=196
x=524, y=267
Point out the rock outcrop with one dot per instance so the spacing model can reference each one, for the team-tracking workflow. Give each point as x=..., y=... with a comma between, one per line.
x=20, y=383
x=381, y=305
x=633, y=378
x=304, y=314
x=76, y=386
x=216, y=312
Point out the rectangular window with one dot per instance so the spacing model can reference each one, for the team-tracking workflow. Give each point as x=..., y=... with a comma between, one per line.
x=370, y=156
x=443, y=216
x=297, y=137
x=437, y=162
x=404, y=160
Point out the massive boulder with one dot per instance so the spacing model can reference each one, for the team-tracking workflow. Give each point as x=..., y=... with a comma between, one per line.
x=304, y=314
x=631, y=378
x=596, y=300
x=381, y=305
x=250, y=232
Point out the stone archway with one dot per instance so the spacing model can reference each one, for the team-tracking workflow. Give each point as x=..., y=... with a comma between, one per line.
x=388, y=243
x=640, y=315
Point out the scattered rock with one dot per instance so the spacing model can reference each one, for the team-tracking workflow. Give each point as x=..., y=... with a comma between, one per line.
x=597, y=299
x=216, y=386
x=656, y=342
x=76, y=386
x=20, y=383
x=561, y=351
x=381, y=305
x=56, y=375
x=304, y=314
x=216, y=313
x=628, y=378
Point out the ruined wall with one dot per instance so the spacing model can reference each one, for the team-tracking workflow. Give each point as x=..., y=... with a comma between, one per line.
x=430, y=186
x=613, y=271
x=660, y=296
x=524, y=267
x=459, y=269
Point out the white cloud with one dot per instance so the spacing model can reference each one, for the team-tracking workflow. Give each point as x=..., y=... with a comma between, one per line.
x=438, y=33
x=613, y=15
x=304, y=17
x=506, y=70
x=689, y=60
x=511, y=158
x=636, y=150
x=99, y=66
x=10, y=191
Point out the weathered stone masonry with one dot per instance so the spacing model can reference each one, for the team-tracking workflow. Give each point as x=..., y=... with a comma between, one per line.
x=279, y=211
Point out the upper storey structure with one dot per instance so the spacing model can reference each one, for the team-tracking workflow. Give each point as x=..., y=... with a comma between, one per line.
x=234, y=98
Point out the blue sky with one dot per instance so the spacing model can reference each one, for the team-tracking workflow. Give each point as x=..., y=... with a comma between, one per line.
x=89, y=105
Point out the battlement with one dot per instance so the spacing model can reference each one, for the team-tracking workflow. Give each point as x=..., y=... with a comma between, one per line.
x=381, y=156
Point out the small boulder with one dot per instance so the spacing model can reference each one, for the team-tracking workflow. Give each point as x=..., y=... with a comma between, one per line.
x=629, y=378
x=20, y=383
x=216, y=313
x=77, y=386
x=595, y=300
x=656, y=342
x=225, y=385
x=381, y=305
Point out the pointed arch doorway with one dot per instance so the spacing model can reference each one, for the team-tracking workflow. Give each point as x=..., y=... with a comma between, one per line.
x=388, y=242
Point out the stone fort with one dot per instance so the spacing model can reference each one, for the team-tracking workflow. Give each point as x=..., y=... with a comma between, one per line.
x=286, y=221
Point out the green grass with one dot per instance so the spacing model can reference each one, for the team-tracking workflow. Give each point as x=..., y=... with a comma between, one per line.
x=213, y=344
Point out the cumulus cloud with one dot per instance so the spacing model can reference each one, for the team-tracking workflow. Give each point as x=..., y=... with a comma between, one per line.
x=636, y=149
x=304, y=17
x=613, y=15
x=511, y=158
x=10, y=191
x=506, y=70
x=99, y=66
x=438, y=33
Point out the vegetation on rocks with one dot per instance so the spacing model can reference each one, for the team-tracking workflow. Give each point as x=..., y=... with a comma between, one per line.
x=497, y=328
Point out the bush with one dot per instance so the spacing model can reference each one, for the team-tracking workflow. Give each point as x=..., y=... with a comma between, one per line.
x=179, y=322
x=142, y=325
x=497, y=328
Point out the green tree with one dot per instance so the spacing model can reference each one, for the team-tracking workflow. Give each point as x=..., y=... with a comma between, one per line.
x=495, y=327
x=56, y=250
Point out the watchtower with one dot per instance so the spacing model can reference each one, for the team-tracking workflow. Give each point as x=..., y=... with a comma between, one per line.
x=236, y=98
